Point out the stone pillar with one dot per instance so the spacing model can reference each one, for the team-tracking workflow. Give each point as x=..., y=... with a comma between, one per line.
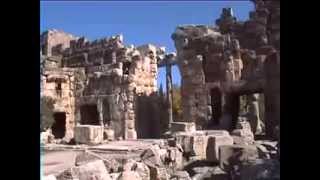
x=169, y=93
x=100, y=111
x=253, y=112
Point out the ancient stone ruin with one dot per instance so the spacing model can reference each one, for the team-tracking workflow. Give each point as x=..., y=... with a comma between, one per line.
x=106, y=103
x=101, y=83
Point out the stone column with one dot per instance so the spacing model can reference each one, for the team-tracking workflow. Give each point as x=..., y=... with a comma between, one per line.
x=253, y=112
x=100, y=111
x=169, y=92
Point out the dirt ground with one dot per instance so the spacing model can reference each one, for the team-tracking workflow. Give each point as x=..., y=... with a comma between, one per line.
x=54, y=162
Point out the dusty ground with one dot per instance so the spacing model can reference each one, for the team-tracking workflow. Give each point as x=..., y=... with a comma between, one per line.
x=61, y=157
x=54, y=162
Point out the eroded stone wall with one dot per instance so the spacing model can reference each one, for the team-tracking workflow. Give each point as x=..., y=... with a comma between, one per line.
x=59, y=84
x=113, y=77
x=233, y=59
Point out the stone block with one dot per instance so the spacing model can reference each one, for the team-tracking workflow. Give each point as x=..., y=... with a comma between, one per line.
x=152, y=157
x=130, y=134
x=199, y=144
x=231, y=155
x=130, y=124
x=219, y=174
x=181, y=175
x=213, y=144
x=183, y=126
x=111, y=164
x=184, y=139
x=158, y=173
x=50, y=177
x=142, y=170
x=129, y=175
x=88, y=134
x=109, y=134
x=92, y=170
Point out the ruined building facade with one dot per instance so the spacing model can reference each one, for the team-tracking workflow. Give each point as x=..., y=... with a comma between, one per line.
x=100, y=83
x=220, y=64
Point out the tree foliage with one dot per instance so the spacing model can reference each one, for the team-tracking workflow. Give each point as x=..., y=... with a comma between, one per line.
x=176, y=103
x=46, y=113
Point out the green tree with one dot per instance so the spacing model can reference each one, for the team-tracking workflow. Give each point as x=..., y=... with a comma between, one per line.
x=46, y=113
x=176, y=103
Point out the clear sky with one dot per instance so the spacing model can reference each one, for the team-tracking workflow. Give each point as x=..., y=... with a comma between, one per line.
x=140, y=22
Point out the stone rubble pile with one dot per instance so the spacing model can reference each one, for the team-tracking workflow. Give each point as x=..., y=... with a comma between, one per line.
x=211, y=154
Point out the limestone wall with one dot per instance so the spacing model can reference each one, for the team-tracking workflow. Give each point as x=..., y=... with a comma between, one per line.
x=64, y=98
x=234, y=57
x=52, y=38
x=111, y=80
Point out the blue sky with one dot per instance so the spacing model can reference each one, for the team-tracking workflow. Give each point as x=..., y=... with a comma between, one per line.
x=140, y=22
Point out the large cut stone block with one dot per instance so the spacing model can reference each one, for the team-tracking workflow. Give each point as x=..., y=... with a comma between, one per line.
x=231, y=155
x=183, y=126
x=88, y=134
x=184, y=139
x=199, y=144
x=215, y=140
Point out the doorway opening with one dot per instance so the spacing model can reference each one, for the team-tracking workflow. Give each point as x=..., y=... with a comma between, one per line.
x=89, y=115
x=216, y=105
x=59, y=126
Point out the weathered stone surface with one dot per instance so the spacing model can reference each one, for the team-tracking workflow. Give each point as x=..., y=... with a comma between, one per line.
x=213, y=144
x=183, y=126
x=129, y=175
x=184, y=139
x=243, y=134
x=143, y=171
x=89, y=134
x=114, y=176
x=235, y=155
x=180, y=175
x=152, y=157
x=267, y=149
x=260, y=169
x=202, y=172
x=203, y=144
x=174, y=157
x=131, y=134
x=112, y=165
x=219, y=174
x=92, y=170
x=50, y=177
x=109, y=134
x=46, y=137
x=100, y=70
x=158, y=173
x=199, y=144
x=205, y=172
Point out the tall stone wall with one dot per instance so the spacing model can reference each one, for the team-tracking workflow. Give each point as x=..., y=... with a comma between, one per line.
x=112, y=80
x=233, y=59
x=53, y=42
x=59, y=84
